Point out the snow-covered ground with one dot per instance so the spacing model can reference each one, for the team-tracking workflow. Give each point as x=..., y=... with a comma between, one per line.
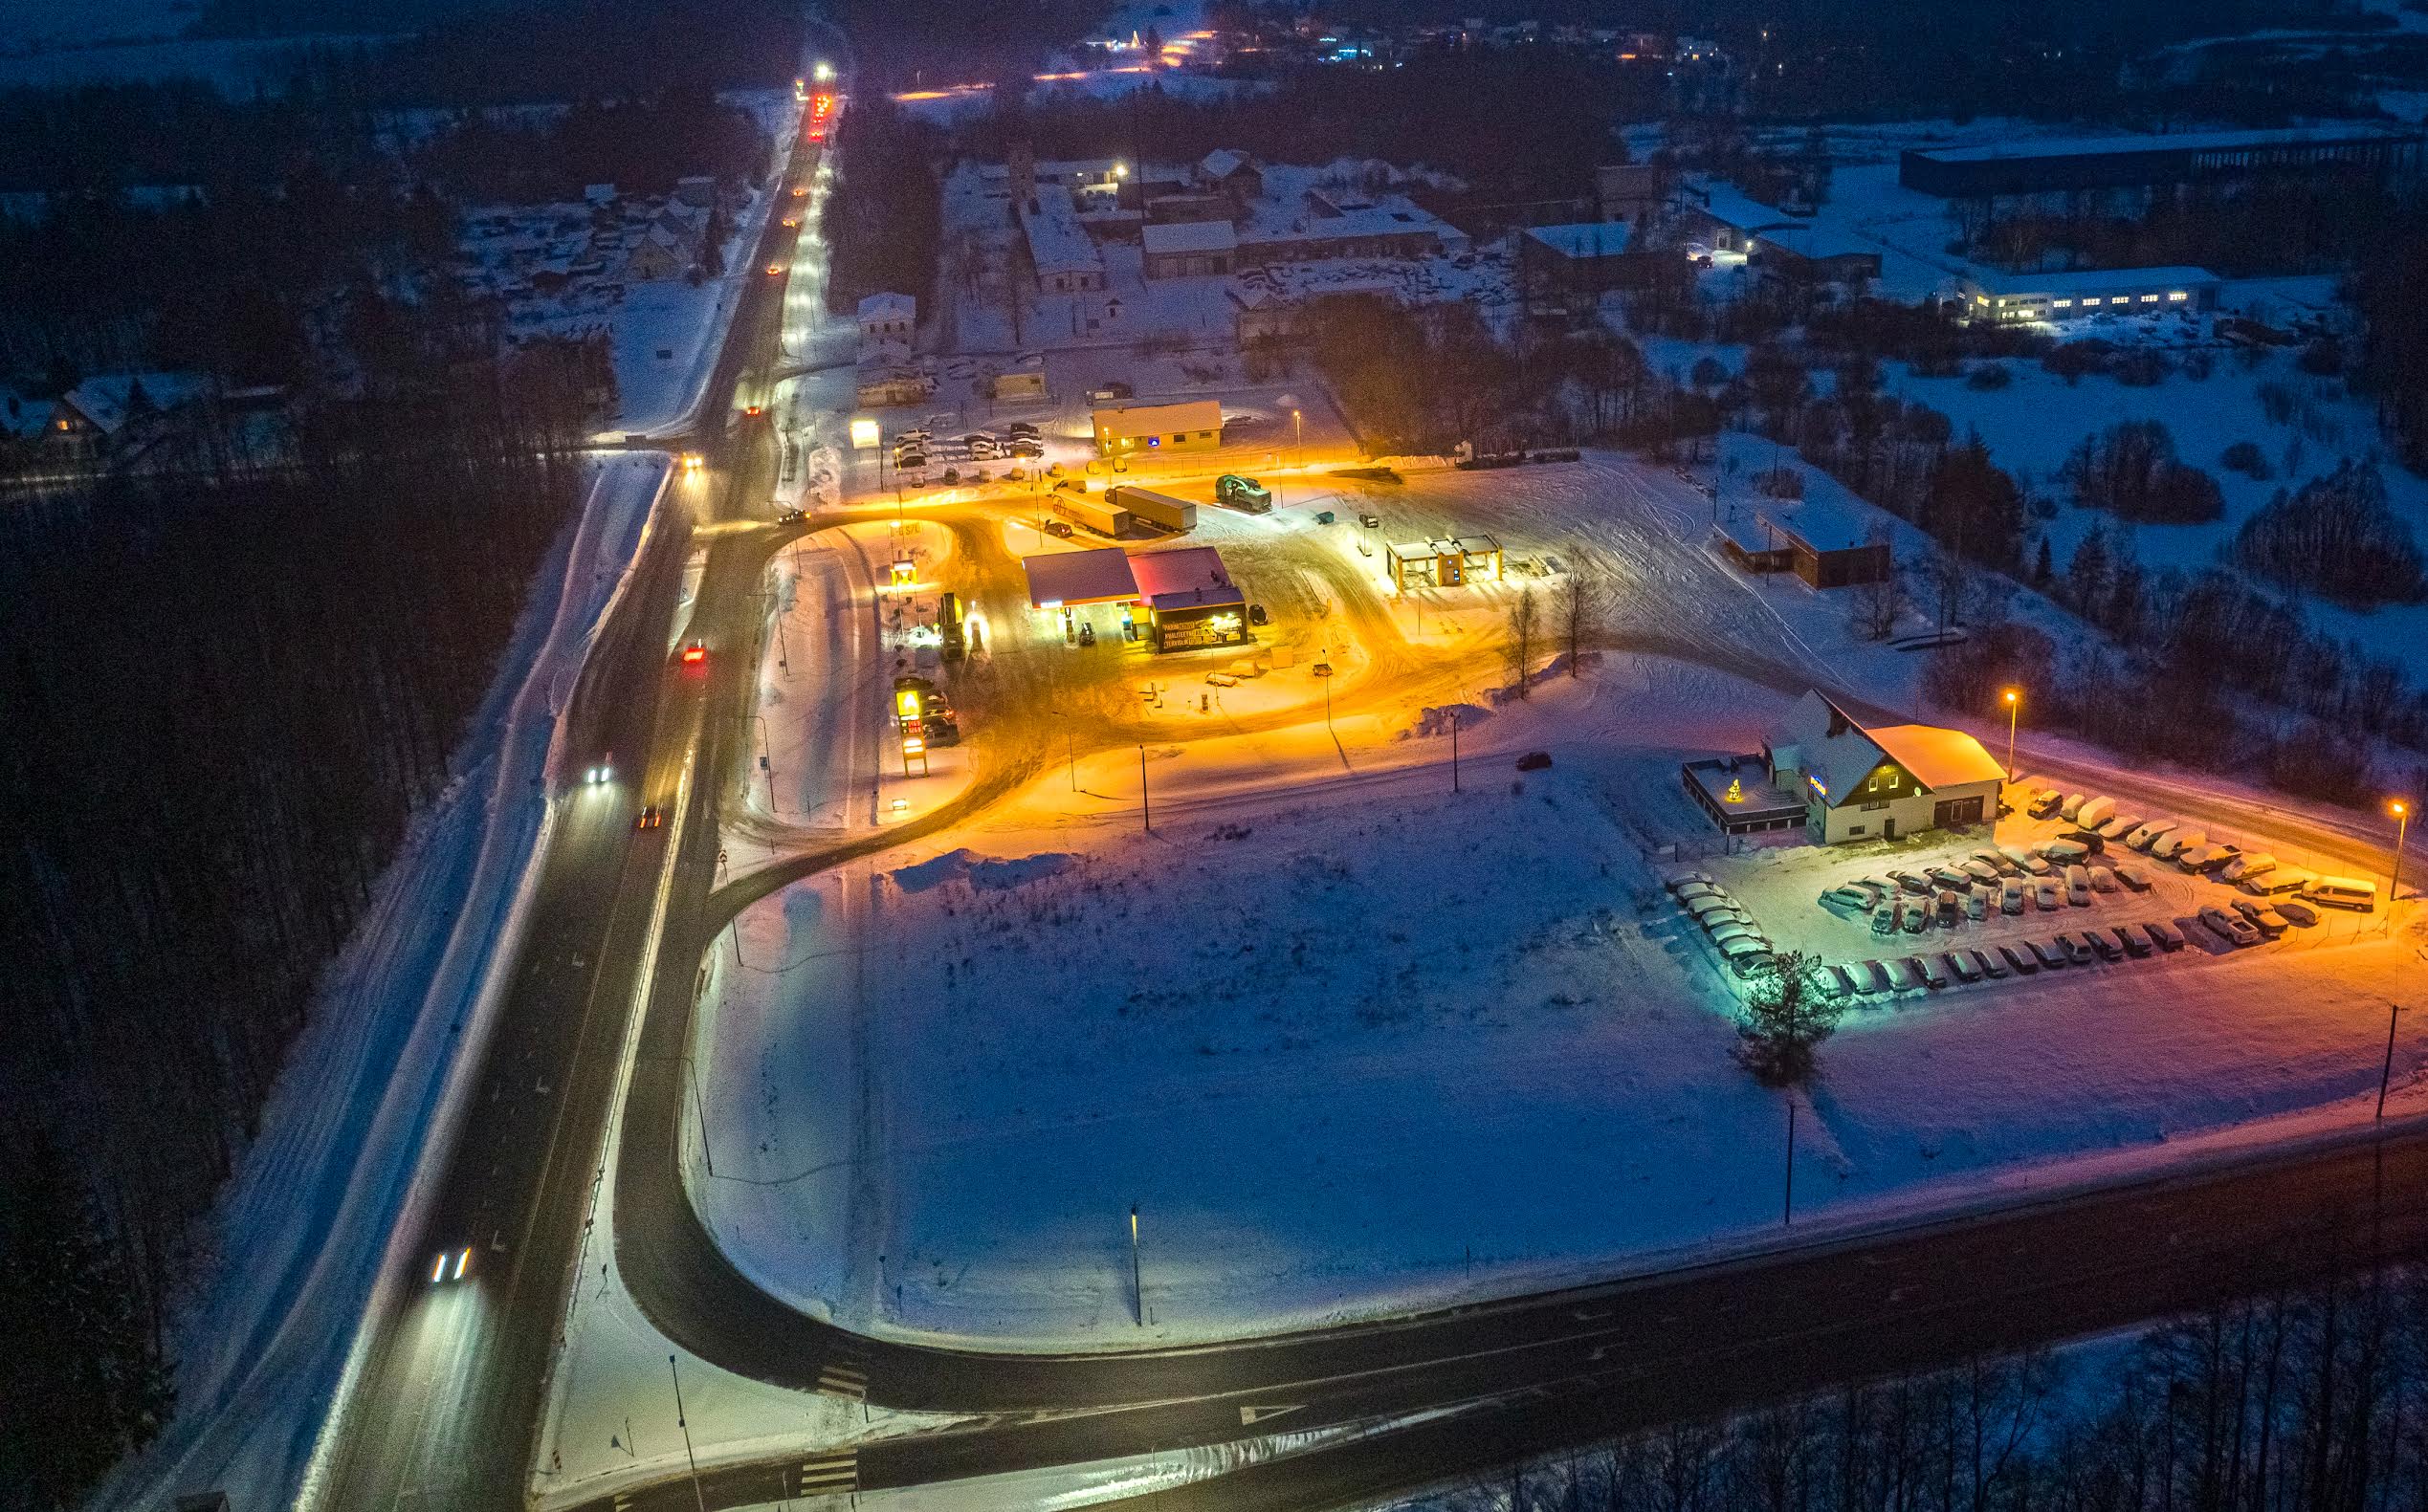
x=305, y=1230
x=1375, y=1045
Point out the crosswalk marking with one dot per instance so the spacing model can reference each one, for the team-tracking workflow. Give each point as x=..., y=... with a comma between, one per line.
x=836, y=1474
x=843, y=1378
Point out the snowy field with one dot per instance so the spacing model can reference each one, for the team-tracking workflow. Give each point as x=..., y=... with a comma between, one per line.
x=1378, y=1046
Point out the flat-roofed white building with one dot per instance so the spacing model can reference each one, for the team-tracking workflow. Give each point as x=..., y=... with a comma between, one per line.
x=2008, y=298
x=1189, y=248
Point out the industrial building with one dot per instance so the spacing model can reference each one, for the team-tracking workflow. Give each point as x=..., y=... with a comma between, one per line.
x=1987, y=295
x=2145, y=161
x=1193, y=425
x=1809, y=256
x=1571, y=267
x=1826, y=547
x=1862, y=782
x=1190, y=249
x=1062, y=256
x=1723, y=214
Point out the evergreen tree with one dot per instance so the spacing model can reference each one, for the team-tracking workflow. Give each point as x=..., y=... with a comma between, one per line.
x=1783, y=1020
x=2043, y=570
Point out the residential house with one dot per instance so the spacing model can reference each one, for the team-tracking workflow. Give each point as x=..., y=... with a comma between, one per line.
x=1862, y=782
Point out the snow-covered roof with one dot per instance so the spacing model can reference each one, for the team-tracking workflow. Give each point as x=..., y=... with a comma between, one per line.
x=1189, y=237
x=1938, y=757
x=889, y=307
x=2177, y=141
x=1057, y=242
x=1185, y=578
x=1584, y=238
x=1818, y=242
x=1099, y=575
x=1222, y=163
x=2088, y=280
x=108, y=401
x=1159, y=420
x=1733, y=206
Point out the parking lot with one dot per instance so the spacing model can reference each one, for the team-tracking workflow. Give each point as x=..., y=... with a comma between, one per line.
x=1947, y=911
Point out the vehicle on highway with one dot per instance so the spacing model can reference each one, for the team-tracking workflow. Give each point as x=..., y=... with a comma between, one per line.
x=2044, y=803
x=603, y=772
x=788, y=516
x=2232, y=928
x=2165, y=936
x=2296, y=913
x=775, y=268
x=2132, y=879
x=648, y=817
x=2148, y=834
x=2343, y=893
x=1243, y=493
x=2266, y=920
x=694, y=655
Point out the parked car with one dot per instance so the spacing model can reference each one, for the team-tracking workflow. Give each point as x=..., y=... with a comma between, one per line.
x=1911, y=882
x=1977, y=904
x=2078, y=886
x=1692, y=879
x=2175, y=842
x=2072, y=805
x=1846, y=901
x=1978, y=871
x=2136, y=943
x=2051, y=957
x=1951, y=908
x=2044, y=894
x=1059, y=529
x=2077, y=952
x=2232, y=928
x=1994, y=967
x=1022, y=430
x=2011, y=896
x=2276, y=881
x=2343, y=893
x=1870, y=978
x=2103, y=941
x=2165, y=936
x=1832, y=982
x=2264, y=918
x=2093, y=812
x=1243, y=493
x=2116, y=829
x=2064, y=852
x=2200, y=858
x=2021, y=960
x=1927, y=966
x=2132, y=879
x=1998, y=862
x=2026, y=862
x=1962, y=963
x=2044, y=803
x=1873, y=892
x=2102, y=879
x=1903, y=977
x=2246, y=865
x=1728, y=932
x=2088, y=839
x=1949, y=879
x=2295, y=912
x=2149, y=833
x=1884, y=920
x=1913, y=915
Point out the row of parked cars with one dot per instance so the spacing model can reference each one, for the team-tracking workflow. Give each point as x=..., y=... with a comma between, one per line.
x=2008, y=878
x=1889, y=975
x=911, y=448
x=2098, y=824
x=1740, y=942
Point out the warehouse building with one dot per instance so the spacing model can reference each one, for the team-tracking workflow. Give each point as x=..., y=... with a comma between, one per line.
x=1571, y=267
x=1827, y=547
x=2005, y=297
x=2144, y=161
x=1193, y=425
x=1862, y=782
x=1062, y=256
x=1190, y=249
x=1810, y=256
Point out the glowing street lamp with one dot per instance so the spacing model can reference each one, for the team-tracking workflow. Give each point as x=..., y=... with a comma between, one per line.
x=823, y=72
x=2014, y=698
x=2402, y=832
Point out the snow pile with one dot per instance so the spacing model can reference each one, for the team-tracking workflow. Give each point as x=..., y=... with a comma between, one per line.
x=980, y=873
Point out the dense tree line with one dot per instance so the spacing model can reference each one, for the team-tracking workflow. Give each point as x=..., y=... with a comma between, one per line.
x=2293, y=1401
x=884, y=214
x=2336, y=537
x=641, y=143
x=2389, y=286
x=2131, y=471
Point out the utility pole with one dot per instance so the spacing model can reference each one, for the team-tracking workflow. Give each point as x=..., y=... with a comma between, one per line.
x=1146, y=812
x=1454, y=750
x=1787, y=1206
x=2386, y=1075
x=1137, y=1287
x=699, y=1496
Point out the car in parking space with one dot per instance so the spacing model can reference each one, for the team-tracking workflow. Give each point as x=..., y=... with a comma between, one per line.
x=1691, y=879
x=1977, y=904
x=1022, y=430
x=2295, y=912
x=1730, y=930
x=1978, y=871
x=1870, y=978
x=911, y=461
x=1994, y=967
x=2070, y=805
x=2132, y=879
x=2051, y=957
x=1913, y=915
x=2077, y=952
x=2103, y=941
x=2021, y=960
x=2078, y=886
x=2150, y=831
x=2232, y=928
x=1031, y=449
x=2116, y=829
x=1845, y=902
x=2044, y=894
x=1834, y=981
x=1946, y=909
x=1903, y=977
x=2249, y=865
x=2165, y=936
x=2175, y=842
x=2136, y=943
x=1748, y=957
x=2064, y=852
x=2267, y=920
x=2011, y=896
x=1949, y=879
x=1873, y=892
x=1716, y=910
x=1999, y=862
x=1912, y=882
x=2212, y=858
x=2088, y=839
x=2027, y=862
x=1885, y=918
x=1927, y=966
x=2278, y=880
x=1960, y=962
x=2044, y=803
x=2093, y=812
x=2102, y=879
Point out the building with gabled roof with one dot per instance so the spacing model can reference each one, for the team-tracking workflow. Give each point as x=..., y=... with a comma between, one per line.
x=1860, y=782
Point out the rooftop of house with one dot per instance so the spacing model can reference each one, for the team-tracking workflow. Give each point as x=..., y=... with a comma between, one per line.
x=1583, y=238
x=1189, y=237
x=1990, y=280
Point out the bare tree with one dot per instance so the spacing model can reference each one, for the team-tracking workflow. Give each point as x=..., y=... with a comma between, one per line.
x=1878, y=604
x=1576, y=607
x=1525, y=625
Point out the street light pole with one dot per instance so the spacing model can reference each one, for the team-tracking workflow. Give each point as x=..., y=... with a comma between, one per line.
x=2402, y=833
x=2014, y=707
x=2386, y=1075
x=1137, y=1287
x=1454, y=750
x=700, y=1105
x=699, y=1496
x=1146, y=811
x=1787, y=1204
